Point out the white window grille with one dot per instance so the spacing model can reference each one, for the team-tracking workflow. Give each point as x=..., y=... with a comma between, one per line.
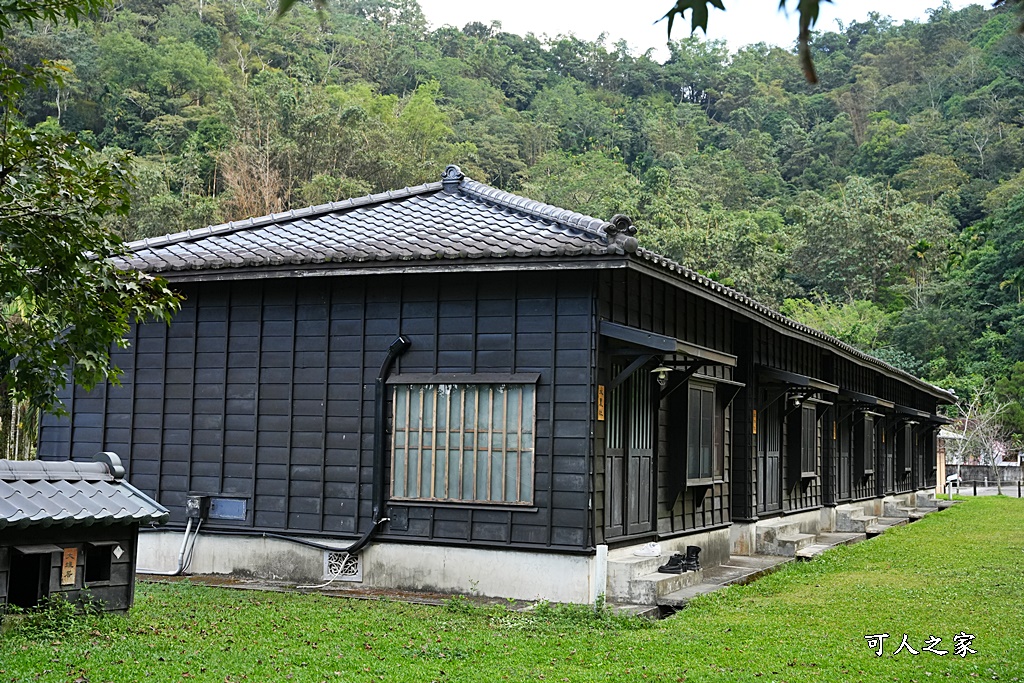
x=464, y=442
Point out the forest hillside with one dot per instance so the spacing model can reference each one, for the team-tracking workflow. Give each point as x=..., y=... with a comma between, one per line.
x=883, y=204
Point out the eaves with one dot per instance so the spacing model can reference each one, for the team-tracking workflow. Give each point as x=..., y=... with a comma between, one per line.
x=739, y=303
x=427, y=266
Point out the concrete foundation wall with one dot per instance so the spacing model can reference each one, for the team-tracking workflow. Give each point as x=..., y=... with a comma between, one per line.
x=744, y=534
x=715, y=546
x=491, y=573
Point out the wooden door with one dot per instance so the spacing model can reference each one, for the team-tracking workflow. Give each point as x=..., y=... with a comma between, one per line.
x=769, y=460
x=845, y=488
x=629, y=457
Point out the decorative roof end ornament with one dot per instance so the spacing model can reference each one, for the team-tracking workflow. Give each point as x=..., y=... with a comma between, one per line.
x=451, y=178
x=622, y=233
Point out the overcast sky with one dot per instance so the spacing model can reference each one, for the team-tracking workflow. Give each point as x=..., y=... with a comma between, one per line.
x=747, y=21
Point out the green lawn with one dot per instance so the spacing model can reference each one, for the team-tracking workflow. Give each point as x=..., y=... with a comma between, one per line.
x=961, y=570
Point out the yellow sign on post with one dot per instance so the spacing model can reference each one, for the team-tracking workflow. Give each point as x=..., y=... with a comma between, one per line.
x=600, y=403
x=69, y=567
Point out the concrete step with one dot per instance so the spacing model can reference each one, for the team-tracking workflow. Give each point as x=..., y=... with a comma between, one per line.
x=894, y=508
x=649, y=588
x=946, y=504
x=917, y=513
x=911, y=514
x=624, y=568
x=825, y=542
x=739, y=570
x=882, y=524
x=646, y=611
x=779, y=537
x=681, y=597
x=791, y=544
x=853, y=521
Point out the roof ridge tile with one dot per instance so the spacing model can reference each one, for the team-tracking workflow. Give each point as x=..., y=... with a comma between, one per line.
x=561, y=216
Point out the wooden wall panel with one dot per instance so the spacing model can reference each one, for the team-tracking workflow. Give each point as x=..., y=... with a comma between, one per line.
x=635, y=300
x=265, y=390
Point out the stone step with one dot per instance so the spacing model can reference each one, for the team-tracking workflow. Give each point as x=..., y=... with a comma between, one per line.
x=627, y=610
x=791, y=544
x=911, y=514
x=946, y=504
x=882, y=524
x=777, y=537
x=625, y=567
x=854, y=522
x=738, y=570
x=825, y=542
x=682, y=597
x=645, y=590
x=894, y=508
x=772, y=528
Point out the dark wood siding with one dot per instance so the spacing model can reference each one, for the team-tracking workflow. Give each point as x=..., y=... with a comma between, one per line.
x=743, y=472
x=770, y=349
x=636, y=300
x=265, y=391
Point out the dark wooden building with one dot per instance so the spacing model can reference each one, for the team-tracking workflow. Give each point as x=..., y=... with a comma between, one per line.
x=70, y=529
x=483, y=392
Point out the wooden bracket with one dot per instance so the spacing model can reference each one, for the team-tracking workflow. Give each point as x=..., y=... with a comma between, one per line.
x=630, y=369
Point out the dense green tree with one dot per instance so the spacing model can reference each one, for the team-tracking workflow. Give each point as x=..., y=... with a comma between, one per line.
x=857, y=243
x=64, y=300
x=592, y=183
x=886, y=189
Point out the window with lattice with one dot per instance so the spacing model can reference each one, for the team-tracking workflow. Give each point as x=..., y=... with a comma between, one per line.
x=464, y=441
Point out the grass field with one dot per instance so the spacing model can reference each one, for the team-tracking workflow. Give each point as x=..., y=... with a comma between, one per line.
x=959, y=571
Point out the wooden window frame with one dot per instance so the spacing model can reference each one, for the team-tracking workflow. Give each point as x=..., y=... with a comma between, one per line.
x=905, y=448
x=705, y=446
x=810, y=441
x=487, y=455
x=865, y=445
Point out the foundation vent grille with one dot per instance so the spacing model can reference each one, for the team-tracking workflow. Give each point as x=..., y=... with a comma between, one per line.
x=340, y=566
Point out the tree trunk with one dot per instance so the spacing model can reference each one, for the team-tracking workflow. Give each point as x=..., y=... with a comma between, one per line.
x=18, y=428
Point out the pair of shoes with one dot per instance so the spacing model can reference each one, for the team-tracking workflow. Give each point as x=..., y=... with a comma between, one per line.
x=674, y=565
x=651, y=549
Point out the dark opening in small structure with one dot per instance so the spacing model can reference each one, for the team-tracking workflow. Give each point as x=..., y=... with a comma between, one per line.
x=29, y=579
x=97, y=563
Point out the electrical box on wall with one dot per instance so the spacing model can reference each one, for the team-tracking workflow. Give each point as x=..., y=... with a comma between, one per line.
x=197, y=507
x=229, y=509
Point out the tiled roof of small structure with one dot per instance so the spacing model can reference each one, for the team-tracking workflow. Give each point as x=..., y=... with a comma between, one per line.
x=37, y=493
x=457, y=219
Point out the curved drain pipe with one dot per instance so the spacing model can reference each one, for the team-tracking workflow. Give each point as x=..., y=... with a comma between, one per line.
x=183, y=561
x=397, y=348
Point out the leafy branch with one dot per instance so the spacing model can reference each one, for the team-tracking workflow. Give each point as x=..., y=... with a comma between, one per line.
x=807, y=11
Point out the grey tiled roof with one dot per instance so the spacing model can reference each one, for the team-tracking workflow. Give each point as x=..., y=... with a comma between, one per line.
x=37, y=493
x=456, y=219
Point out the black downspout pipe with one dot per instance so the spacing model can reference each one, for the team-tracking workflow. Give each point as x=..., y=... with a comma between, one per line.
x=397, y=348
